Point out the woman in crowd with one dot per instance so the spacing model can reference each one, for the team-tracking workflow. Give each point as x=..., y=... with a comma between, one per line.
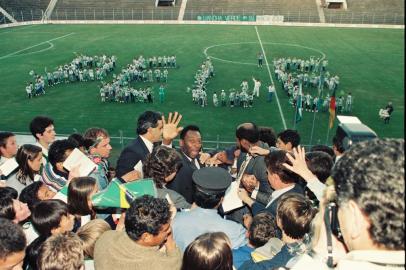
x=80, y=192
x=29, y=159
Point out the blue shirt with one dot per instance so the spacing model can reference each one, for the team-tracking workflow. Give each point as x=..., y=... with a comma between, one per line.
x=188, y=225
x=241, y=255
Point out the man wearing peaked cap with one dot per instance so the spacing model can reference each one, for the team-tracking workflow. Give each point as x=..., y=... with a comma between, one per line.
x=211, y=180
x=211, y=184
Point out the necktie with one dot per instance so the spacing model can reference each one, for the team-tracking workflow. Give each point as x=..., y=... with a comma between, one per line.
x=243, y=167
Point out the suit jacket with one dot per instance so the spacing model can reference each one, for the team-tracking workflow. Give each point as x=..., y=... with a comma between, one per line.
x=183, y=183
x=257, y=167
x=259, y=207
x=130, y=156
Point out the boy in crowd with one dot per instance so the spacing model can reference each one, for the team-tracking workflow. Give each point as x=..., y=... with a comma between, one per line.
x=42, y=128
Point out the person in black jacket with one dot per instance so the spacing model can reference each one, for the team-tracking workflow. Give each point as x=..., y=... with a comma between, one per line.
x=151, y=129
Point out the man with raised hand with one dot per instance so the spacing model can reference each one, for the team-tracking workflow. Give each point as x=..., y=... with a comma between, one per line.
x=151, y=128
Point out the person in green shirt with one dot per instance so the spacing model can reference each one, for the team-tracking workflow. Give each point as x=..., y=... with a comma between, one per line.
x=162, y=93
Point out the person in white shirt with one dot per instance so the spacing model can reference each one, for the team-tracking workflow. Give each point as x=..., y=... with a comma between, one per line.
x=42, y=128
x=257, y=85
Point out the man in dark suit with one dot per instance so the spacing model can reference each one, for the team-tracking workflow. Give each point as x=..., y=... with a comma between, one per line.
x=282, y=180
x=190, y=146
x=151, y=129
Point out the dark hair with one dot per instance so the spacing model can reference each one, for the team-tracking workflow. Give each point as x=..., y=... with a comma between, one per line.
x=295, y=214
x=323, y=148
x=7, y=208
x=57, y=151
x=372, y=174
x=320, y=164
x=79, y=190
x=47, y=216
x=39, y=124
x=8, y=192
x=32, y=252
x=207, y=201
x=274, y=163
x=186, y=129
x=267, y=135
x=290, y=136
x=162, y=162
x=80, y=141
x=29, y=194
x=338, y=143
x=146, y=215
x=248, y=131
x=146, y=120
x=12, y=238
x=208, y=251
x=4, y=135
x=27, y=152
x=263, y=228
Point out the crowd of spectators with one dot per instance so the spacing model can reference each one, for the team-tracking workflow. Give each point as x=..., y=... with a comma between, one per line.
x=264, y=203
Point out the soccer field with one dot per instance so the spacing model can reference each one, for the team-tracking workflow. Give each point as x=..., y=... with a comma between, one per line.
x=369, y=62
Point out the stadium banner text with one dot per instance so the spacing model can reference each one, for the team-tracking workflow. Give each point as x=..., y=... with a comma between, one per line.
x=241, y=18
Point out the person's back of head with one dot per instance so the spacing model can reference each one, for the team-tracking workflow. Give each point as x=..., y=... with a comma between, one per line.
x=274, y=163
x=89, y=233
x=268, y=136
x=320, y=164
x=146, y=217
x=208, y=251
x=207, y=201
x=29, y=194
x=370, y=180
x=338, y=145
x=8, y=192
x=248, y=132
x=148, y=119
x=39, y=124
x=7, y=208
x=48, y=217
x=59, y=151
x=294, y=215
x=262, y=228
x=12, y=245
x=61, y=252
x=323, y=148
x=161, y=163
x=81, y=142
x=288, y=139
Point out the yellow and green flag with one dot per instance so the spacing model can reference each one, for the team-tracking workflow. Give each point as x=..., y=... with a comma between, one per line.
x=119, y=195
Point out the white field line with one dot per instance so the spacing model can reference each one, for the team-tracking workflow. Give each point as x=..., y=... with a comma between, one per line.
x=16, y=29
x=270, y=76
x=33, y=46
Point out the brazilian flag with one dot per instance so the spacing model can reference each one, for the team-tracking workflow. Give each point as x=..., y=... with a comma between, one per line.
x=119, y=195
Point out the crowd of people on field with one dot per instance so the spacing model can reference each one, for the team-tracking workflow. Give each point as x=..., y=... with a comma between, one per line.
x=82, y=68
x=90, y=68
x=263, y=203
x=308, y=78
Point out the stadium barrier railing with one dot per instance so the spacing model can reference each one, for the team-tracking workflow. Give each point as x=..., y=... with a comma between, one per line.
x=300, y=16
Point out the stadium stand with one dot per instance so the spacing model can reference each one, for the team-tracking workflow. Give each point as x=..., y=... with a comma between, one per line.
x=357, y=12
x=25, y=10
x=368, y=11
x=113, y=10
x=292, y=10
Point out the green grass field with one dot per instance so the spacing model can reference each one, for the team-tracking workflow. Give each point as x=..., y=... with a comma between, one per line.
x=370, y=63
